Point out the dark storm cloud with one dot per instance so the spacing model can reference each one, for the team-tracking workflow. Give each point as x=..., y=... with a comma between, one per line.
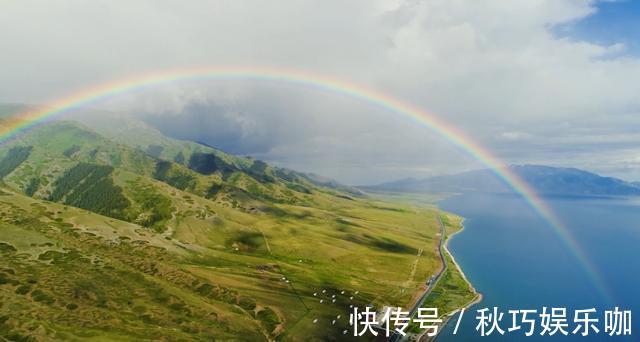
x=217, y=126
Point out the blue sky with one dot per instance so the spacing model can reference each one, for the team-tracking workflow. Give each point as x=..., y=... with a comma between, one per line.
x=614, y=22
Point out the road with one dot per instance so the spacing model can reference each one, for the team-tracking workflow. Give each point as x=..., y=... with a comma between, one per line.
x=396, y=336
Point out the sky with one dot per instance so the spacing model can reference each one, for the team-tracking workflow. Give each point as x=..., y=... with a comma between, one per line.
x=550, y=82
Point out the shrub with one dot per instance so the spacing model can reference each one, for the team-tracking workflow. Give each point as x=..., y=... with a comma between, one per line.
x=23, y=289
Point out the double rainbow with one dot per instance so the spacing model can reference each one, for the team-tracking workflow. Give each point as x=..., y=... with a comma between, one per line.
x=26, y=120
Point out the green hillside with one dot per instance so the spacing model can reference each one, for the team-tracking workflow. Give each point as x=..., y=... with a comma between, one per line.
x=143, y=237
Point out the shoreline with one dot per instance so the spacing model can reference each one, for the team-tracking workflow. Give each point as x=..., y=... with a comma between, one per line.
x=473, y=302
x=464, y=276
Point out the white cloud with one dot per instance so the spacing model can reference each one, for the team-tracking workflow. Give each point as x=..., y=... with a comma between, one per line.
x=493, y=68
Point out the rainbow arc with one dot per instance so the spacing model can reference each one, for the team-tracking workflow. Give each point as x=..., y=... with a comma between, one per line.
x=29, y=119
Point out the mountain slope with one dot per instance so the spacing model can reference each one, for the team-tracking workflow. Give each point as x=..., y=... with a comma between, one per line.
x=92, y=274
x=55, y=161
x=191, y=250
x=544, y=179
x=197, y=156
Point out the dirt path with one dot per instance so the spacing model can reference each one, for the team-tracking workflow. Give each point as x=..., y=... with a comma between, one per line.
x=414, y=269
x=397, y=337
x=266, y=242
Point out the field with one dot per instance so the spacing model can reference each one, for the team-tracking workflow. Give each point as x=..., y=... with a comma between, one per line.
x=177, y=241
x=215, y=272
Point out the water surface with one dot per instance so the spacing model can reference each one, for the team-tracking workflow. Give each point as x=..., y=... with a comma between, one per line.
x=518, y=261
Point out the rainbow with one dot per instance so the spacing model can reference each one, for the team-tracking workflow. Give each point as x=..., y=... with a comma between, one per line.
x=29, y=119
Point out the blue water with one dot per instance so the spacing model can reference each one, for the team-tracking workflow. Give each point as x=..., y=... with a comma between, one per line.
x=517, y=261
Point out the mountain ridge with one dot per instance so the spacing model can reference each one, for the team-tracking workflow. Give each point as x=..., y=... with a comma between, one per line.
x=546, y=180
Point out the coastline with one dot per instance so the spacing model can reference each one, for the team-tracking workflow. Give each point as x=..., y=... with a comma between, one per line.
x=478, y=298
x=453, y=259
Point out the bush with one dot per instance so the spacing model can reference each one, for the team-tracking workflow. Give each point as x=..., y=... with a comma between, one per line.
x=40, y=296
x=23, y=289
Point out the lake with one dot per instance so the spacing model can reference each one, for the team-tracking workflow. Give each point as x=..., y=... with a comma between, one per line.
x=517, y=261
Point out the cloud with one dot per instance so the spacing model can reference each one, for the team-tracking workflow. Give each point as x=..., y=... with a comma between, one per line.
x=495, y=69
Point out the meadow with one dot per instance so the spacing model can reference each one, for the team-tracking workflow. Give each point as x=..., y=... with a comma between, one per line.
x=105, y=241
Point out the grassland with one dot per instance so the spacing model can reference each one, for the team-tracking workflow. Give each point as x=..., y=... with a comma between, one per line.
x=452, y=291
x=230, y=249
x=216, y=271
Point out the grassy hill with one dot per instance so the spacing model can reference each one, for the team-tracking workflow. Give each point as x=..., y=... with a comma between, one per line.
x=141, y=236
